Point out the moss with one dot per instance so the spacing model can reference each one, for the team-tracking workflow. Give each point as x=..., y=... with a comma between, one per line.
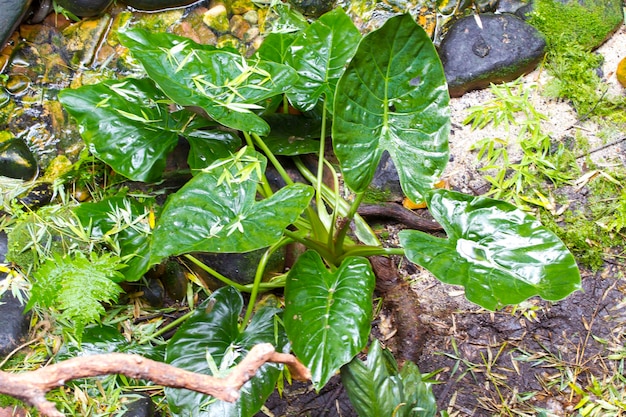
x=564, y=24
x=375, y=195
x=572, y=31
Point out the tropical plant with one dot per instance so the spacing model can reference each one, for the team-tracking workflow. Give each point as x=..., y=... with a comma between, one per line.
x=384, y=92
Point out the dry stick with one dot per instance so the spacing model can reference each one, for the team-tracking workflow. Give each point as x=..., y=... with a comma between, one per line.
x=599, y=148
x=31, y=387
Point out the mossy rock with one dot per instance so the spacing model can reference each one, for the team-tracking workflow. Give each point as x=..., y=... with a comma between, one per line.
x=585, y=22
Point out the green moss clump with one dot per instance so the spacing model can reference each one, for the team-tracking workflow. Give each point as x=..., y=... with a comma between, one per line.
x=565, y=24
x=375, y=195
x=572, y=31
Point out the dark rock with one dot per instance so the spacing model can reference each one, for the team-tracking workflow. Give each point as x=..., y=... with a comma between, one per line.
x=240, y=267
x=505, y=48
x=13, y=11
x=385, y=185
x=137, y=405
x=153, y=5
x=14, y=322
x=85, y=8
x=16, y=160
x=313, y=8
x=38, y=196
x=513, y=6
x=175, y=281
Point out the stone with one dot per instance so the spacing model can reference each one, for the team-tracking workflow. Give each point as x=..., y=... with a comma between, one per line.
x=385, y=186
x=13, y=11
x=14, y=322
x=239, y=267
x=137, y=405
x=16, y=160
x=216, y=18
x=502, y=50
x=85, y=8
x=313, y=8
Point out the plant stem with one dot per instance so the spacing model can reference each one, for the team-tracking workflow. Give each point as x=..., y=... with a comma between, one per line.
x=258, y=276
x=166, y=328
x=216, y=274
x=341, y=235
x=320, y=166
x=311, y=244
x=366, y=251
x=272, y=159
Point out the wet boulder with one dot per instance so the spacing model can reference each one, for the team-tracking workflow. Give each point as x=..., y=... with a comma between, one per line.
x=489, y=48
x=16, y=160
x=85, y=8
x=14, y=322
x=13, y=11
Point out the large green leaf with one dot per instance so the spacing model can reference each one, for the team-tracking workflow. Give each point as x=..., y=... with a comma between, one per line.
x=206, y=146
x=328, y=313
x=393, y=97
x=213, y=330
x=500, y=254
x=127, y=124
x=376, y=388
x=319, y=55
x=222, y=83
x=216, y=211
x=126, y=220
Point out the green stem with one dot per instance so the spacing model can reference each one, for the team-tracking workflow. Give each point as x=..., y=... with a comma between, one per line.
x=165, y=329
x=258, y=276
x=320, y=165
x=341, y=235
x=216, y=274
x=311, y=244
x=366, y=251
x=265, y=190
x=272, y=159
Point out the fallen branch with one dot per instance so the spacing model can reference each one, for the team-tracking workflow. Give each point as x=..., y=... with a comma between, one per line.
x=31, y=387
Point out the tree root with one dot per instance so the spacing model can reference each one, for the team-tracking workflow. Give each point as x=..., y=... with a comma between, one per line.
x=31, y=387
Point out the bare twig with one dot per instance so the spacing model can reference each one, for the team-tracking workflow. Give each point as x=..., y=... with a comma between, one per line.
x=32, y=386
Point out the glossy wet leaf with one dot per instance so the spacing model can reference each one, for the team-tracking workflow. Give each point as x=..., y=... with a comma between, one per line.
x=213, y=329
x=222, y=83
x=376, y=387
x=328, y=313
x=100, y=338
x=319, y=55
x=206, y=146
x=216, y=211
x=293, y=134
x=393, y=97
x=500, y=254
x=126, y=220
x=126, y=124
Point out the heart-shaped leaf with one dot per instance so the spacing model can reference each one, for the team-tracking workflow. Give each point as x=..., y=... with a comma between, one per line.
x=216, y=210
x=328, y=313
x=319, y=55
x=393, y=97
x=222, y=83
x=500, y=254
x=376, y=388
x=213, y=330
x=126, y=124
